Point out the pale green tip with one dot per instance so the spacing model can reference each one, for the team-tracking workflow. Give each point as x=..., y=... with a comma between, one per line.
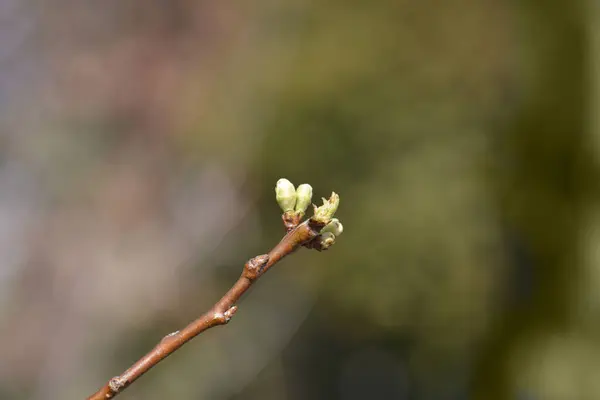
x=285, y=194
x=324, y=213
x=304, y=193
x=334, y=226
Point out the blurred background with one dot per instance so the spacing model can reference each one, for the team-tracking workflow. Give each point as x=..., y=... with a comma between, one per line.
x=140, y=142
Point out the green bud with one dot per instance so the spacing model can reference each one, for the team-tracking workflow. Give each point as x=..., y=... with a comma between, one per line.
x=324, y=213
x=304, y=193
x=335, y=227
x=327, y=240
x=285, y=194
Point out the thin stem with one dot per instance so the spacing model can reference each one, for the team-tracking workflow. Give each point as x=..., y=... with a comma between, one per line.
x=220, y=313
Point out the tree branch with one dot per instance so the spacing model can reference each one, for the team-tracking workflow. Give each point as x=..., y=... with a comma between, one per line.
x=304, y=234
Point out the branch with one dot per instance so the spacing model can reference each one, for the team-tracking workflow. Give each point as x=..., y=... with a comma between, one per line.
x=318, y=232
x=304, y=234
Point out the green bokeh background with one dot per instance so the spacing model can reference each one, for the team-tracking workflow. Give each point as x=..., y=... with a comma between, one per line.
x=142, y=142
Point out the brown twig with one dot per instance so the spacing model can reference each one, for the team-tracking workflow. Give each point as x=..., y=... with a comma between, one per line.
x=304, y=234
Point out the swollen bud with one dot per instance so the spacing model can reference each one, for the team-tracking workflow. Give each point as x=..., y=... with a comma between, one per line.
x=335, y=227
x=324, y=213
x=327, y=240
x=285, y=194
x=304, y=194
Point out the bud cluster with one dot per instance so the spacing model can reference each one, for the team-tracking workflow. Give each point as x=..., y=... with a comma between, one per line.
x=296, y=200
x=291, y=199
